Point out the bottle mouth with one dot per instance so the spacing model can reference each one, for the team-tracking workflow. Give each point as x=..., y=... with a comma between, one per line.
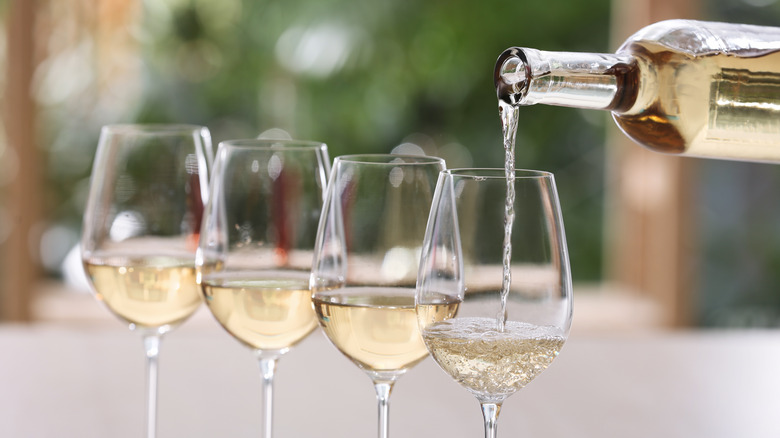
x=511, y=76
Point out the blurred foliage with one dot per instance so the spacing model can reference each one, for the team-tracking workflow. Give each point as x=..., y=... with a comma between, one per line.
x=362, y=77
x=368, y=77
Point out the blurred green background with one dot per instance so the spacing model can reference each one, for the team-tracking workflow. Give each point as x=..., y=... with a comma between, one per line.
x=361, y=77
x=373, y=77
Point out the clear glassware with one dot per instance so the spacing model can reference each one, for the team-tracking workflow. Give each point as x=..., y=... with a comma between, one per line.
x=365, y=264
x=141, y=227
x=256, y=246
x=510, y=323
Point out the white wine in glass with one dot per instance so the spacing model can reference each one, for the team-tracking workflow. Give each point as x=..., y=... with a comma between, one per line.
x=262, y=311
x=510, y=278
x=375, y=327
x=149, y=292
x=255, y=256
x=141, y=230
x=365, y=264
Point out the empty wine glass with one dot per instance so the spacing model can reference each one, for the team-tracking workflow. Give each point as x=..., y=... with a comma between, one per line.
x=141, y=227
x=500, y=256
x=365, y=263
x=256, y=246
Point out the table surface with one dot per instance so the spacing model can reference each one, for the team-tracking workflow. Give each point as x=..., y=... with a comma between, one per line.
x=87, y=380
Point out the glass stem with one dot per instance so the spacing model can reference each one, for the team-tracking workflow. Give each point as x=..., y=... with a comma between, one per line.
x=152, y=347
x=383, y=390
x=267, y=368
x=490, y=413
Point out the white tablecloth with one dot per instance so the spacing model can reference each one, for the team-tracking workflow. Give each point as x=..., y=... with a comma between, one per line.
x=87, y=380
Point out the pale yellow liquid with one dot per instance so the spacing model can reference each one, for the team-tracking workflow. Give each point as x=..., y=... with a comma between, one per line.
x=489, y=363
x=264, y=314
x=720, y=106
x=375, y=327
x=148, y=293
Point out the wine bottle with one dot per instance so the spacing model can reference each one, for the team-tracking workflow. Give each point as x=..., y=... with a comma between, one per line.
x=683, y=87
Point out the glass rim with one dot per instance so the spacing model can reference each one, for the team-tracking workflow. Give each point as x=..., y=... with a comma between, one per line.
x=152, y=128
x=269, y=143
x=387, y=159
x=495, y=173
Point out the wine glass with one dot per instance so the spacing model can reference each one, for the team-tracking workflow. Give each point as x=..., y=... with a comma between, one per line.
x=141, y=228
x=365, y=263
x=495, y=248
x=256, y=246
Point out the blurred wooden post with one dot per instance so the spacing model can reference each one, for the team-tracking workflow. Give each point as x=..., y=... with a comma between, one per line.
x=649, y=195
x=22, y=196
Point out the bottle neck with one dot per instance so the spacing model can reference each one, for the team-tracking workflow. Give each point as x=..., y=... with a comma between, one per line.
x=582, y=80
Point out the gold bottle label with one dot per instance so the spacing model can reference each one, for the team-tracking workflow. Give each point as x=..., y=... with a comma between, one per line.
x=745, y=107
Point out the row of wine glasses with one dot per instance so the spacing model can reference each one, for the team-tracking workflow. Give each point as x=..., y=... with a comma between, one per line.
x=391, y=255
